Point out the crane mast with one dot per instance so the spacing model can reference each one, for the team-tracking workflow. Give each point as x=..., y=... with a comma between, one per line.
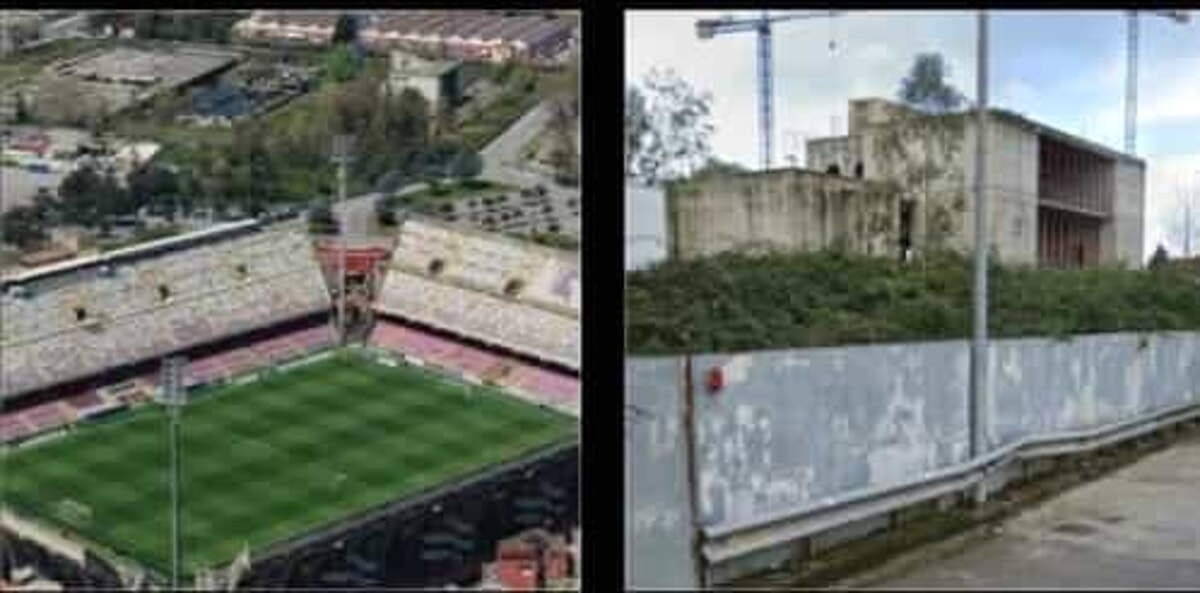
x=1131, y=70
x=761, y=25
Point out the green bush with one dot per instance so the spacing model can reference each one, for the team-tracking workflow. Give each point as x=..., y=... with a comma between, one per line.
x=739, y=302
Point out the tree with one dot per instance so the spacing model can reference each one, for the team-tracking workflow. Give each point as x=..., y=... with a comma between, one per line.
x=21, y=111
x=45, y=205
x=340, y=64
x=79, y=193
x=637, y=125
x=344, y=31
x=925, y=88
x=321, y=219
x=1160, y=258
x=669, y=135
x=1183, y=220
x=22, y=227
x=465, y=164
x=151, y=184
x=564, y=155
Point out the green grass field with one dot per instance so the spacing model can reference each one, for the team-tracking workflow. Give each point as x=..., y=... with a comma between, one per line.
x=272, y=459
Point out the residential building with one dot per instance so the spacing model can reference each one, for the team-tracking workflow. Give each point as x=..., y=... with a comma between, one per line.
x=471, y=35
x=311, y=27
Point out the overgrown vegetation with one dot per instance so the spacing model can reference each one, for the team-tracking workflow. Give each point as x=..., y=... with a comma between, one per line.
x=734, y=302
x=517, y=94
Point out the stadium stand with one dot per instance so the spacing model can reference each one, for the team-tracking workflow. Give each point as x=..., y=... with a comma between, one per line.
x=520, y=297
x=105, y=312
x=555, y=389
x=227, y=364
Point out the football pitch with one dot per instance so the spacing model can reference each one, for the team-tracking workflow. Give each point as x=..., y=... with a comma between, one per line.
x=264, y=461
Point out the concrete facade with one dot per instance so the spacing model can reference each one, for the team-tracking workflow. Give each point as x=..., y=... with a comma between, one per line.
x=786, y=209
x=437, y=81
x=1053, y=199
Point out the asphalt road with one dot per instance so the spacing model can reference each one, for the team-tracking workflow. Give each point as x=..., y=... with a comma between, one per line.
x=1136, y=528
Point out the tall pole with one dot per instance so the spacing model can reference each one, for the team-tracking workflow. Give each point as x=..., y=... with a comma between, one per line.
x=1131, y=76
x=175, y=535
x=766, y=125
x=173, y=395
x=979, y=294
x=341, y=150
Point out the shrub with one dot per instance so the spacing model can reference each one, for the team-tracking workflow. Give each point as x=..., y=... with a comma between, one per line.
x=735, y=301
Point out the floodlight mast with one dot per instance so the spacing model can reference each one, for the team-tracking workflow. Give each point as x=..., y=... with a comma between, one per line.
x=174, y=395
x=342, y=155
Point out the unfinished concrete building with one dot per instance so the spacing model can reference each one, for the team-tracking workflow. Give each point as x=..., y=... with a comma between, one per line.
x=904, y=184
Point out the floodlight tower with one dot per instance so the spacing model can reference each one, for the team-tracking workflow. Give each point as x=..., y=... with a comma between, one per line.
x=342, y=155
x=173, y=395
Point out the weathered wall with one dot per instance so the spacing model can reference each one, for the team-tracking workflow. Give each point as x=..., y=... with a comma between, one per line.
x=794, y=427
x=797, y=428
x=932, y=161
x=658, y=532
x=1128, y=223
x=645, y=225
x=786, y=209
x=1042, y=386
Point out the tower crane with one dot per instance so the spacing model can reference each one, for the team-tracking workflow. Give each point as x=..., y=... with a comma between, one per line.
x=709, y=28
x=1131, y=70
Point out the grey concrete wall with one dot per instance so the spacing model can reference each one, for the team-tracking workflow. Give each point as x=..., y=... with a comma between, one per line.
x=792, y=428
x=1128, y=222
x=787, y=209
x=645, y=225
x=1042, y=387
x=1010, y=191
x=658, y=522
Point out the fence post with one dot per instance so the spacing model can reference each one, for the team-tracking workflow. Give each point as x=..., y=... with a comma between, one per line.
x=689, y=432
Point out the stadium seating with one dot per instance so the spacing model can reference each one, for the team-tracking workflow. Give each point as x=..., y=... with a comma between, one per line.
x=488, y=262
x=87, y=320
x=534, y=383
x=498, y=290
x=241, y=360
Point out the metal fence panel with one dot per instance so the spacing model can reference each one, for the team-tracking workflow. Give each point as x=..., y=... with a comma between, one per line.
x=793, y=428
x=1041, y=386
x=658, y=547
x=796, y=429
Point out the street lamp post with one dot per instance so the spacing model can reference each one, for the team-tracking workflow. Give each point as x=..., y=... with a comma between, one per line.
x=342, y=156
x=979, y=336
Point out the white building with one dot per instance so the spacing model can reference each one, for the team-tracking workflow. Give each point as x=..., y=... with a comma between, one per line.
x=436, y=80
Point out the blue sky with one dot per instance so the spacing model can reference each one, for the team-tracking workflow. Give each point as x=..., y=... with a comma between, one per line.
x=1064, y=68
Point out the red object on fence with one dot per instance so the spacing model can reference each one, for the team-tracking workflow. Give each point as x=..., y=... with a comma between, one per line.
x=715, y=380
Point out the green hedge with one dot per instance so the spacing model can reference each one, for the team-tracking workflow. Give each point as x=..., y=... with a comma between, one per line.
x=735, y=302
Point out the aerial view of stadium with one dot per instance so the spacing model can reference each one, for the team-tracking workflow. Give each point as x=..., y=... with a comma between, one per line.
x=290, y=299
x=464, y=373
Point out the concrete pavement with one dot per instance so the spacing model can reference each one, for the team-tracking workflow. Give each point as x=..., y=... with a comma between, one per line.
x=1138, y=527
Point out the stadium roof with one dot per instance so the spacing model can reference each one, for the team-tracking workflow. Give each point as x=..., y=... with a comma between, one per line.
x=119, y=254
